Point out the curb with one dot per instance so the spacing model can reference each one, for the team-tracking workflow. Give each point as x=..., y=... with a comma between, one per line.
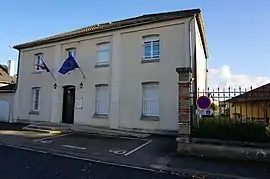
x=225, y=152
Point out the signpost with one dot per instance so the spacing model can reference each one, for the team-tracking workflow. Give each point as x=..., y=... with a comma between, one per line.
x=204, y=103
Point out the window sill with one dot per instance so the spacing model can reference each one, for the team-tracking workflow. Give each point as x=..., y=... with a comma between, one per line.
x=150, y=60
x=36, y=72
x=101, y=65
x=150, y=118
x=34, y=112
x=100, y=116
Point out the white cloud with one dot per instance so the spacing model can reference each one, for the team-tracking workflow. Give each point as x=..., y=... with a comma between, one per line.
x=223, y=77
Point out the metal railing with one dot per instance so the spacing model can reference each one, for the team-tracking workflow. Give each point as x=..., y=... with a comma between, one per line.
x=239, y=104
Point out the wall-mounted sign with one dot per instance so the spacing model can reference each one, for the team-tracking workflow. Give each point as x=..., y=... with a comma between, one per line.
x=79, y=103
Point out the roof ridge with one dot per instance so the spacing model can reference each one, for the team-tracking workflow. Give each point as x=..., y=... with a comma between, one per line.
x=174, y=12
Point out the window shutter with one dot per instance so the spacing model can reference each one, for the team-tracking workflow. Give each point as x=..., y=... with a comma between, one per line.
x=35, y=99
x=102, y=100
x=150, y=100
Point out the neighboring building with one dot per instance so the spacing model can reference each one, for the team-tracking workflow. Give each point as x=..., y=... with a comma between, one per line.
x=253, y=104
x=7, y=102
x=5, y=78
x=130, y=68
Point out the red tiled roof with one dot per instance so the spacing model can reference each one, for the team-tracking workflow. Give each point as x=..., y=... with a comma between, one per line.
x=131, y=22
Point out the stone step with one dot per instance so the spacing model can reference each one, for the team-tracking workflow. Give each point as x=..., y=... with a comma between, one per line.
x=46, y=129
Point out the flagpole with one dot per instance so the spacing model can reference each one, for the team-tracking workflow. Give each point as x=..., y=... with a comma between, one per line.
x=52, y=76
x=49, y=70
x=82, y=73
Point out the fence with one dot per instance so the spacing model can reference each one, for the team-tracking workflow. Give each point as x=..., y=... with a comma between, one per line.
x=242, y=105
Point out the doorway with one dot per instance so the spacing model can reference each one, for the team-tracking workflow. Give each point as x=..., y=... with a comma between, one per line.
x=68, y=104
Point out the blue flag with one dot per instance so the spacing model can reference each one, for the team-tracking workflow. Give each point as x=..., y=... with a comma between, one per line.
x=68, y=65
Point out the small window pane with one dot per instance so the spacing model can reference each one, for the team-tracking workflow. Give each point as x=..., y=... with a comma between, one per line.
x=38, y=62
x=156, y=49
x=104, y=46
x=147, y=50
x=103, y=56
x=103, y=53
x=71, y=52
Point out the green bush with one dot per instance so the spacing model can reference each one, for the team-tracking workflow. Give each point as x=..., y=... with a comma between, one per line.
x=224, y=128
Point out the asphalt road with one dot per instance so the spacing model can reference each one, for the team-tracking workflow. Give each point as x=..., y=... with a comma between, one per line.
x=16, y=163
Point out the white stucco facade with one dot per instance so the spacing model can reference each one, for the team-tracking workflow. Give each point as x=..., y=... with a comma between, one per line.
x=124, y=76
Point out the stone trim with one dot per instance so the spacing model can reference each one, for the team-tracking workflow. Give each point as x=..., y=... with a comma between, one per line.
x=149, y=118
x=101, y=116
x=34, y=112
x=184, y=70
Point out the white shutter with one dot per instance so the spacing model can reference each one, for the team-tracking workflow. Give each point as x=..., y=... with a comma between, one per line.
x=150, y=100
x=35, y=99
x=102, y=100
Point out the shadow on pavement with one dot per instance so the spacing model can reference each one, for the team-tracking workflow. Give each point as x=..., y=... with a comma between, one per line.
x=12, y=126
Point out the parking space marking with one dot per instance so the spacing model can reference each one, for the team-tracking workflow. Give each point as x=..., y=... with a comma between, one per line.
x=52, y=137
x=74, y=147
x=118, y=152
x=120, y=137
x=137, y=148
x=46, y=141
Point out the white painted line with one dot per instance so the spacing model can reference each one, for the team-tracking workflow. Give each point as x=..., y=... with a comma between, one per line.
x=24, y=148
x=130, y=138
x=120, y=137
x=141, y=146
x=52, y=137
x=74, y=147
x=107, y=163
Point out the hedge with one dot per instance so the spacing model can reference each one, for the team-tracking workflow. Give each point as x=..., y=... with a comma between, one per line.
x=224, y=128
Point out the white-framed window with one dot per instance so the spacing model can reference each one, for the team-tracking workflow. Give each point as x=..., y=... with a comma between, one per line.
x=151, y=47
x=35, y=98
x=103, y=54
x=71, y=52
x=38, y=62
x=102, y=100
x=150, y=99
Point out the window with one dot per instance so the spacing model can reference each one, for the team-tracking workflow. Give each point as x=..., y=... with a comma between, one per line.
x=35, y=99
x=102, y=99
x=151, y=47
x=150, y=99
x=103, y=54
x=72, y=52
x=38, y=62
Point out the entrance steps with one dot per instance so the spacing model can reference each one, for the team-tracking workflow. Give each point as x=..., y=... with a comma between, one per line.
x=47, y=128
x=55, y=128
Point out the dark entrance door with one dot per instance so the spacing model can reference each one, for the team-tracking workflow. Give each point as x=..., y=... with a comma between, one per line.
x=68, y=104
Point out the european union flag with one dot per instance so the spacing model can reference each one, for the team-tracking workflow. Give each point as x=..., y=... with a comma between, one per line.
x=68, y=65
